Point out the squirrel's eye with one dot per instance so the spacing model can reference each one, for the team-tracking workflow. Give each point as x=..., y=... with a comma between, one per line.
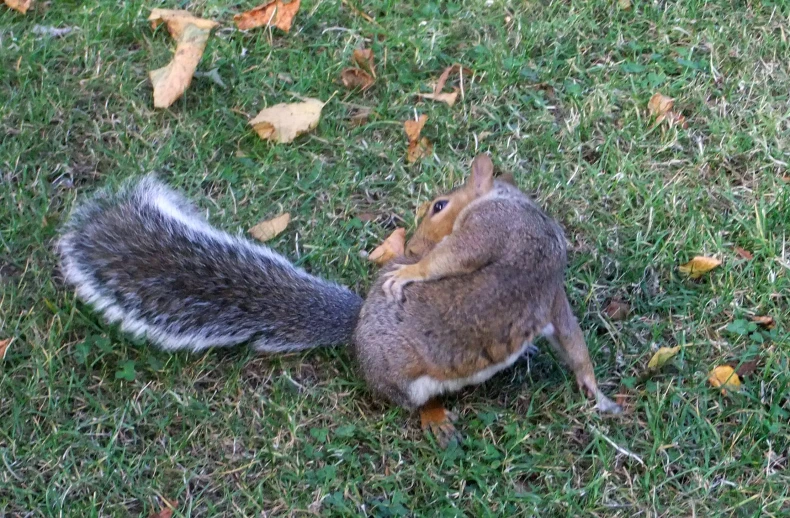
x=439, y=206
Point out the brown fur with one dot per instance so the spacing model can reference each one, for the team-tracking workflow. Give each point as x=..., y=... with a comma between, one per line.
x=478, y=284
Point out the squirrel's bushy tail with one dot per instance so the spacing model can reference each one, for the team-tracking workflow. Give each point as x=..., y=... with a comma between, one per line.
x=144, y=257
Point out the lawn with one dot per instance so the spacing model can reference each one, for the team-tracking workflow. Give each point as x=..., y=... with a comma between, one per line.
x=95, y=424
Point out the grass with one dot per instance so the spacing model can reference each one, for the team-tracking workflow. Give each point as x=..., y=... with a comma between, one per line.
x=92, y=423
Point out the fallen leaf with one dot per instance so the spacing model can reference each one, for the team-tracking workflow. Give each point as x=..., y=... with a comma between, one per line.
x=271, y=228
x=724, y=376
x=3, y=346
x=392, y=247
x=747, y=368
x=166, y=511
x=286, y=121
x=418, y=147
x=19, y=5
x=360, y=115
x=617, y=310
x=446, y=75
x=699, y=266
x=418, y=150
x=662, y=356
x=364, y=60
x=414, y=128
x=625, y=5
x=765, y=321
x=273, y=14
x=366, y=216
x=660, y=106
x=743, y=253
x=356, y=78
x=446, y=97
x=191, y=34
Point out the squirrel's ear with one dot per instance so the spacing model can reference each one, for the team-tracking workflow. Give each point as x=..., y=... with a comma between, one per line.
x=482, y=177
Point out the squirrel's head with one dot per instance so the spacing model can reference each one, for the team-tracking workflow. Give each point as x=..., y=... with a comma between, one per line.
x=438, y=216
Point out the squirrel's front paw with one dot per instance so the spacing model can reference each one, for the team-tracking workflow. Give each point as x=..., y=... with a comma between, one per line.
x=397, y=279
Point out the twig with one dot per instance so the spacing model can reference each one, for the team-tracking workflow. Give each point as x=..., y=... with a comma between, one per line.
x=616, y=447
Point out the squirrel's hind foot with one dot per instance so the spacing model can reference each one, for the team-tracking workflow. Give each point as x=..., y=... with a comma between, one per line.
x=439, y=421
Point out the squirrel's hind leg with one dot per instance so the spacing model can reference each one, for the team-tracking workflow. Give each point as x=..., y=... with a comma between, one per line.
x=439, y=421
x=567, y=340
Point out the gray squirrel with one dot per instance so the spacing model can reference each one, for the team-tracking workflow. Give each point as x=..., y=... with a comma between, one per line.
x=482, y=277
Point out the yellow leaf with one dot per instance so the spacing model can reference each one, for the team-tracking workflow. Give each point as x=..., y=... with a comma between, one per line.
x=448, y=98
x=19, y=5
x=625, y=5
x=724, y=376
x=284, y=122
x=392, y=247
x=273, y=14
x=662, y=356
x=266, y=230
x=191, y=34
x=699, y=266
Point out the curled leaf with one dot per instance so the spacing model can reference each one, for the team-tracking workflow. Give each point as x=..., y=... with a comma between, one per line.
x=271, y=228
x=356, y=78
x=662, y=356
x=286, y=121
x=699, y=266
x=725, y=377
x=392, y=247
x=271, y=14
x=660, y=106
x=446, y=75
x=191, y=34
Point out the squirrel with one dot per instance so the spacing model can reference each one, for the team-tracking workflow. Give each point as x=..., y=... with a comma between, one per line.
x=481, y=278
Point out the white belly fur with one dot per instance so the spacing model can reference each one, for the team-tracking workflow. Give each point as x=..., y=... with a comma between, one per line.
x=425, y=387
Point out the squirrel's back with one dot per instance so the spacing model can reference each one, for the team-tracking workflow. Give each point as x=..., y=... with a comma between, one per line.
x=144, y=257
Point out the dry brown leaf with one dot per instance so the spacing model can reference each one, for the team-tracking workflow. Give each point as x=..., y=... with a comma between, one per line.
x=765, y=321
x=271, y=228
x=392, y=247
x=660, y=106
x=446, y=97
x=418, y=150
x=746, y=368
x=617, y=310
x=366, y=216
x=625, y=401
x=743, y=253
x=191, y=34
x=360, y=115
x=446, y=75
x=418, y=147
x=356, y=78
x=166, y=511
x=364, y=60
x=662, y=356
x=414, y=128
x=286, y=121
x=724, y=376
x=4, y=346
x=274, y=14
x=19, y=5
x=699, y=266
